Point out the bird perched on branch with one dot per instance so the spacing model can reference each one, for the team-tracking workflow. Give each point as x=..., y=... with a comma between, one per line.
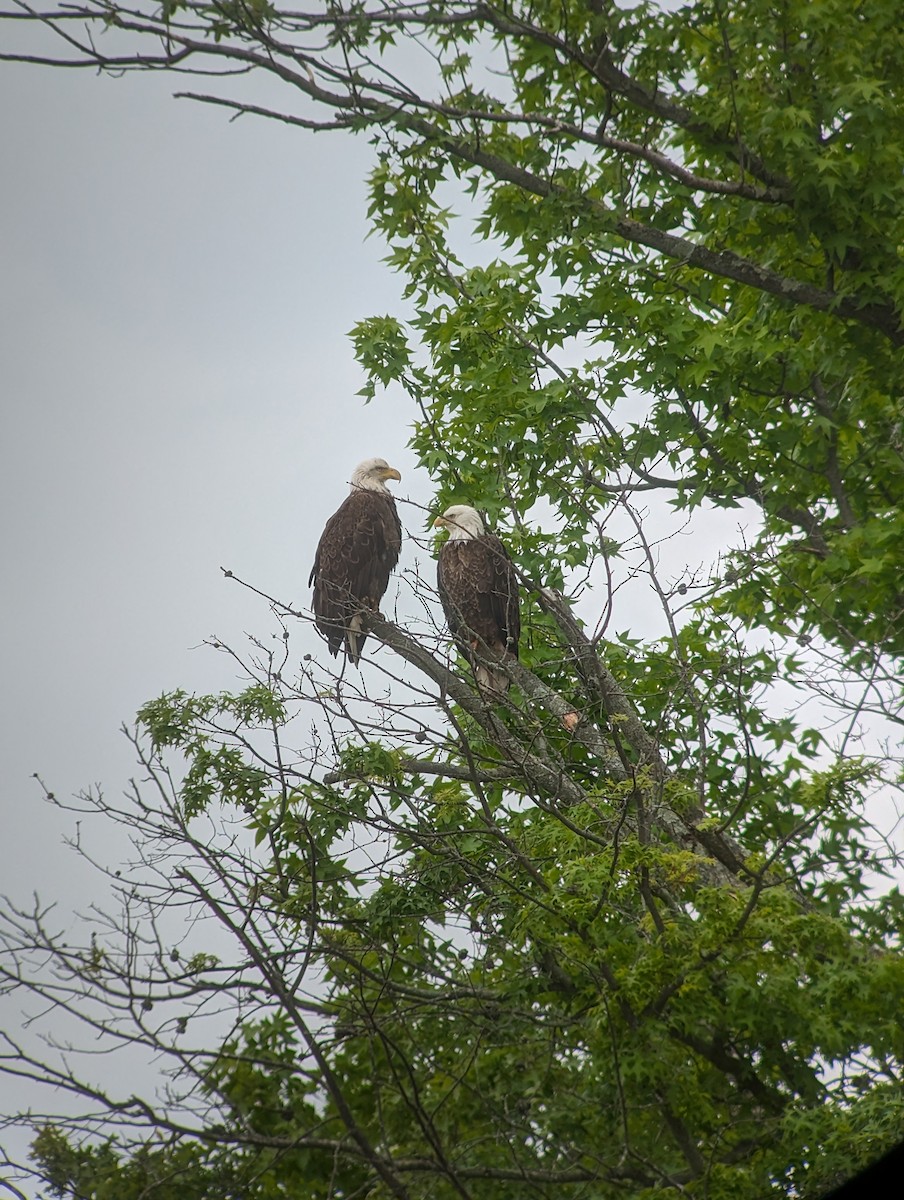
x=357, y=552
x=479, y=592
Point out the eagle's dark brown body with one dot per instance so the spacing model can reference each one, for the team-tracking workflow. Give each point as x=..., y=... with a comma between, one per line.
x=479, y=592
x=357, y=553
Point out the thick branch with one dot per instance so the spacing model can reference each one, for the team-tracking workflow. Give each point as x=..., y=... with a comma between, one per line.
x=583, y=730
x=723, y=263
x=549, y=779
x=554, y=783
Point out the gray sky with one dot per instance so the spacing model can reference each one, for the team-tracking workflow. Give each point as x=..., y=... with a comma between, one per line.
x=178, y=394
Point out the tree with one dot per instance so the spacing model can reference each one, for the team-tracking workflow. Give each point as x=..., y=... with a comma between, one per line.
x=630, y=930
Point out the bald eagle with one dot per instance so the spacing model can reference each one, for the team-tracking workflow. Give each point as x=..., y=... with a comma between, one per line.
x=479, y=591
x=357, y=552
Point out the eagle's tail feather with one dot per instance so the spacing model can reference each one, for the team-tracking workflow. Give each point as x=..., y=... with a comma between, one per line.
x=354, y=639
x=491, y=679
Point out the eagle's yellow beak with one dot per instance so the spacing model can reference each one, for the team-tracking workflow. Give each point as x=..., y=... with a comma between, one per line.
x=390, y=473
x=439, y=523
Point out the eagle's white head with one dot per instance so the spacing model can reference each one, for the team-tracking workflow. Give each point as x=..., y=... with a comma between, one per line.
x=371, y=475
x=462, y=521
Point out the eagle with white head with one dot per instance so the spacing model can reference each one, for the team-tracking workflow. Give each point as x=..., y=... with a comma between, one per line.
x=478, y=588
x=357, y=552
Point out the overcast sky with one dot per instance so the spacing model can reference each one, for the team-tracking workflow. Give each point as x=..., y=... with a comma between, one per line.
x=178, y=394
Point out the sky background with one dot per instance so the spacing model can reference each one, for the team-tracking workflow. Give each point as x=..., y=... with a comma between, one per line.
x=178, y=395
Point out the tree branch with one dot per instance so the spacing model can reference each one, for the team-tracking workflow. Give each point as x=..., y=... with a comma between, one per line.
x=425, y=766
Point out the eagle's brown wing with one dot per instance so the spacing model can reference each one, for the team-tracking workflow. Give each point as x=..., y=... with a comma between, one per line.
x=504, y=594
x=357, y=552
x=478, y=588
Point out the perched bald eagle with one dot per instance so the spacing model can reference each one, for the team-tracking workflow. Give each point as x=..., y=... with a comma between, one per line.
x=357, y=552
x=479, y=590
